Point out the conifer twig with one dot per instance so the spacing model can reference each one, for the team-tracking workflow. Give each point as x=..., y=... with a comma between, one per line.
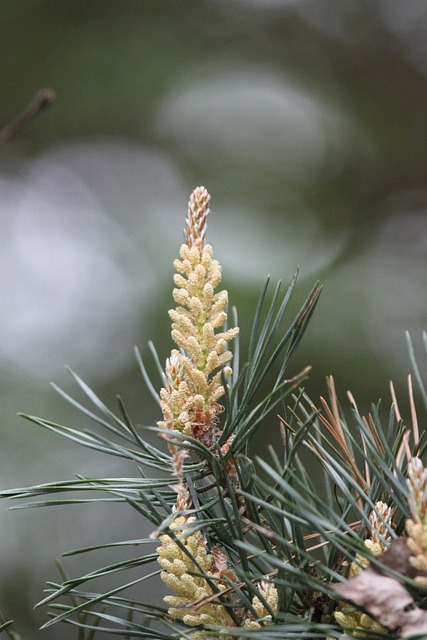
x=42, y=99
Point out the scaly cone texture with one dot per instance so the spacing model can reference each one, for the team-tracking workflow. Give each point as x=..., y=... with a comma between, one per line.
x=189, y=399
x=416, y=527
x=180, y=575
x=271, y=596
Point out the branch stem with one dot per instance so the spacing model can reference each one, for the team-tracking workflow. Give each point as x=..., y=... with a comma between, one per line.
x=42, y=99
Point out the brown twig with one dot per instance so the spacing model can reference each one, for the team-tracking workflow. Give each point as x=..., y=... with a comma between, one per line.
x=42, y=99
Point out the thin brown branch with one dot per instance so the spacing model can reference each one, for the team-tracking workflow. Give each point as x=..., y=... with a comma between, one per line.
x=374, y=432
x=367, y=470
x=414, y=417
x=42, y=99
x=394, y=401
x=333, y=425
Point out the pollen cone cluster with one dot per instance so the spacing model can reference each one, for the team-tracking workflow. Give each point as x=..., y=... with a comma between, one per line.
x=182, y=575
x=263, y=615
x=416, y=527
x=192, y=378
x=198, y=574
x=189, y=402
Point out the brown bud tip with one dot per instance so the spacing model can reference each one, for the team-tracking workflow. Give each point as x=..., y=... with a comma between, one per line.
x=198, y=211
x=45, y=97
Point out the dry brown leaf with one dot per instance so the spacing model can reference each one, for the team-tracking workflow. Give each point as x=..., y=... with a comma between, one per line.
x=385, y=598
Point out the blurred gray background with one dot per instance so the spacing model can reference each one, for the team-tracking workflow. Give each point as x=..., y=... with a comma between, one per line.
x=307, y=122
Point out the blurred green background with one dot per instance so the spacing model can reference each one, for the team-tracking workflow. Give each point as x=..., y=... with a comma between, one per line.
x=307, y=122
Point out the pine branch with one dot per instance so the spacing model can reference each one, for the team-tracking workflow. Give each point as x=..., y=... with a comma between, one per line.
x=246, y=548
